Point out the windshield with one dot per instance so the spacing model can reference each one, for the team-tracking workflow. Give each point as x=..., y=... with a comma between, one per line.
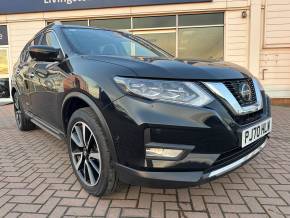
x=87, y=41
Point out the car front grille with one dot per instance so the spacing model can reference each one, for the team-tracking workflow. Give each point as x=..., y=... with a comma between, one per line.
x=235, y=154
x=234, y=87
x=248, y=118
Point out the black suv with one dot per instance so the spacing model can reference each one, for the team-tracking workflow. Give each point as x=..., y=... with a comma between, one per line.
x=131, y=112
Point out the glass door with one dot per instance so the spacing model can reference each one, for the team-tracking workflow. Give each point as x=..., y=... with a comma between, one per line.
x=165, y=39
x=3, y=62
x=4, y=73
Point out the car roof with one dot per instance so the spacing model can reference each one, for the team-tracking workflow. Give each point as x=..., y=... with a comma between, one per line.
x=58, y=24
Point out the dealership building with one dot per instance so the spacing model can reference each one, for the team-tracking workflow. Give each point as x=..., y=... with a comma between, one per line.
x=252, y=33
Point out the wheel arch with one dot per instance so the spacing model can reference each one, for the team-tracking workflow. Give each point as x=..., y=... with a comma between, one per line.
x=88, y=102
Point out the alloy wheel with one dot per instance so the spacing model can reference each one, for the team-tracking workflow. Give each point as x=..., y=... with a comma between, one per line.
x=85, y=153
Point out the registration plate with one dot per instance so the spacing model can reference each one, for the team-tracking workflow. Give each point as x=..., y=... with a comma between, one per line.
x=256, y=132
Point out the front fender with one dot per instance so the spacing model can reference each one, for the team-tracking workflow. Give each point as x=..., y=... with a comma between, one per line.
x=92, y=104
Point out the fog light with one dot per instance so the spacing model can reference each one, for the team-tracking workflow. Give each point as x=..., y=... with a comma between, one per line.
x=162, y=153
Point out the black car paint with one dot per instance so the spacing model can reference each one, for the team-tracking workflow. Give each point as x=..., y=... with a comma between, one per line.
x=179, y=69
x=46, y=87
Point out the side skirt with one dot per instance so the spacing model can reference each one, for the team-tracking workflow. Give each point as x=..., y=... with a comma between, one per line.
x=45, y=126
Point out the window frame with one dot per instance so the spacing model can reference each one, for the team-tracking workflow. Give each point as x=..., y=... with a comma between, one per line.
x=24, y=54
x=176, y=27
x=25, y=49
x=40, y=39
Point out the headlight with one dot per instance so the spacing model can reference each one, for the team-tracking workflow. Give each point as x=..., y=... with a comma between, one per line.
x=187, y=93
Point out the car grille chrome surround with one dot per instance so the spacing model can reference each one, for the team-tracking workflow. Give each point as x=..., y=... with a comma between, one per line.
x=234, y=87
x=229, y=99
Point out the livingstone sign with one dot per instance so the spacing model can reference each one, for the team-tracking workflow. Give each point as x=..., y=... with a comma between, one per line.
x=26, y=6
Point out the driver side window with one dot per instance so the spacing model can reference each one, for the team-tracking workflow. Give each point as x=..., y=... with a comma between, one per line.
x=50, y=39
x=25, y=57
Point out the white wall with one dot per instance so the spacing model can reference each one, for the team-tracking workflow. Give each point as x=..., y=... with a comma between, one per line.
x=275, y=51
x=236, y=38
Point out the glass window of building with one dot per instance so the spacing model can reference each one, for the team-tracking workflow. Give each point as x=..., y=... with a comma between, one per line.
x=201, y=43
x=165, y=34
x=163, y=39
x=201, y=19
x=72, y=22
x=201, y=36
x=194, y=36
x=3, y=62
x=154, y=22
x=115, y=23
x=76, y=22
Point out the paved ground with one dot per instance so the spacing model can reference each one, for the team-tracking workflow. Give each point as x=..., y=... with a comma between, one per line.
x=36, y=180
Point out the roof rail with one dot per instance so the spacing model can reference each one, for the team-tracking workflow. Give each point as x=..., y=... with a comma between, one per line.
x=57, y=23
x=53, y=23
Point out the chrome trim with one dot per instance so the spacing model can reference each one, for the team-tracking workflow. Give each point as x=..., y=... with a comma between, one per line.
x=237, y=163
x=231, y=102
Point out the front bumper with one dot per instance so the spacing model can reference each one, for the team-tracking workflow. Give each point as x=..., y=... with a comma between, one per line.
x=180, y=179
x=209, y=135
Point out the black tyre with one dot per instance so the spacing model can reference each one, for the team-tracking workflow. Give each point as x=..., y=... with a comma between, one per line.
x=22, y=121
x=89, y=153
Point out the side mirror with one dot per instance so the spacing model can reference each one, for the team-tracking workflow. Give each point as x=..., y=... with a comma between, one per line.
x=45, y=53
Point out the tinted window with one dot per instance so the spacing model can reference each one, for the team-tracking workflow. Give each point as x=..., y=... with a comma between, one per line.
x=116, y=23
x=37, y=39
x=154, y=22
x=102, y=42
x=164, y=40
x=201, y=19
x=201, y=43
x=3, y=62
x=50, y=39
x=24, y=57
x=72, y=22
x=76, y=22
